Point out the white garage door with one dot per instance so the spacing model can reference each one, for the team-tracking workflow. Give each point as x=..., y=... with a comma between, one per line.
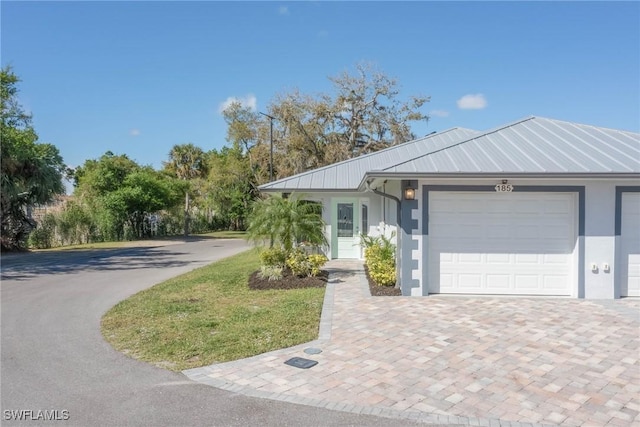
x=502, y=243
x=630, y=244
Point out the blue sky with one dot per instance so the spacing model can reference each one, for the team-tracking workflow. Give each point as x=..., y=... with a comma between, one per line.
x=138, y=77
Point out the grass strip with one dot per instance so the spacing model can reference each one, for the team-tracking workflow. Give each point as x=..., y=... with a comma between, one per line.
x=210, y=315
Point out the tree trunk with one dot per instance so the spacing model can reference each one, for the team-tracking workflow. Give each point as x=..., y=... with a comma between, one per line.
x=186, y=214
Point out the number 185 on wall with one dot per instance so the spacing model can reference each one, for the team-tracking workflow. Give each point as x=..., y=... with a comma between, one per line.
x=504, y=188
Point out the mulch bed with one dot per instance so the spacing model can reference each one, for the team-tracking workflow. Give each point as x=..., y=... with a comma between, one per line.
x=291, y=281
x=381, y=291
x=288, y=281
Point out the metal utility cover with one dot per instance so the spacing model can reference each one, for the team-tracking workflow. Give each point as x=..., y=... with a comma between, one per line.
x=301, y=363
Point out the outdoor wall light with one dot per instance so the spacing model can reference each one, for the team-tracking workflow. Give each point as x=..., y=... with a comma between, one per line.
x=409, y=193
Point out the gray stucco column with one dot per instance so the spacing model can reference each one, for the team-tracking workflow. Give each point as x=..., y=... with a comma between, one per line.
x=407, y=244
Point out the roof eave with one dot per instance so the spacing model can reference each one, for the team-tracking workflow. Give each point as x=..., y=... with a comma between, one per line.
x=309, y=190
x=476, y=175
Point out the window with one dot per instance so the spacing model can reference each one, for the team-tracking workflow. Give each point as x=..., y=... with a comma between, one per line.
x=345, y=219
x=365, y=219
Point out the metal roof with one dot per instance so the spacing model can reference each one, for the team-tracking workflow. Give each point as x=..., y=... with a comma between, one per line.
x=531, y=146
x=348, y=174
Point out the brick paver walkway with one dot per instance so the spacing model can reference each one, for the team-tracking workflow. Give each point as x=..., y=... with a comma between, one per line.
x=460, y=360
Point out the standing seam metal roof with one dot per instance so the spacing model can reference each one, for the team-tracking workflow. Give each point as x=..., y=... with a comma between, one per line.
x=533, y=145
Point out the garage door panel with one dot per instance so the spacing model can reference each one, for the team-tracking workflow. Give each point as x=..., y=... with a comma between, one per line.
x=560, y=232
x=555, y=283
x=446, y=280
x=526, y=207
x=527, y=282
x=555, y=259
x=630, y=244
x=527, y=258
x=446, y=257
x=469, y=258
x=498, y=258
x=557, y=206
x=517, y=243
x=498, y=281
x=468, y=230
x=498, y=231
x=499, y=207
x=528, y=232
x=464, y=206
x=469, y=281
x=634, y=266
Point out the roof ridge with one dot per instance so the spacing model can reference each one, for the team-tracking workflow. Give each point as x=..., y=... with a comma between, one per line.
x=586, y=125
x=464, y=141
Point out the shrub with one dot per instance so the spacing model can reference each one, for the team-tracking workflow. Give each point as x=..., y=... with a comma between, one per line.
x=75, y=224
x=317, y=261
x=366, y=241
x=302, y=264
x=298, y=263
x=271, y=272
x=382, y=272
x=380, y=257
x=40, y=238
x=273, y=257
x=43, y=236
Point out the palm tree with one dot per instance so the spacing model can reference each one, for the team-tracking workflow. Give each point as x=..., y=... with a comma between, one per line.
x=286, y=222
x=187, y=162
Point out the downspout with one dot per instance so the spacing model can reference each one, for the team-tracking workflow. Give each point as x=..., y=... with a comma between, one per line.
x=398, y=221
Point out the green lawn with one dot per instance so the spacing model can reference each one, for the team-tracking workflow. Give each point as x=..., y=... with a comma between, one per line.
x=210, y=315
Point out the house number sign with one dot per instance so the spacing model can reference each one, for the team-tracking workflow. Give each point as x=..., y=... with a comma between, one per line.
x=504, y=188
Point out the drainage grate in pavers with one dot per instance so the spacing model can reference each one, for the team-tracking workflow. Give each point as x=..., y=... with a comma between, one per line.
x=301, y=363
x=312, y=350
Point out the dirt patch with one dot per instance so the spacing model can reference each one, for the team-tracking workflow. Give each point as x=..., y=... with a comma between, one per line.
x=288, y=281
x=381, y=291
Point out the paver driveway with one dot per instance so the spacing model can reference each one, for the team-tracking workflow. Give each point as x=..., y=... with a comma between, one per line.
x=466, y=360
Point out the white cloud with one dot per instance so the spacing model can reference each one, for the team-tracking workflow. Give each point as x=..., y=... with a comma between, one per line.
x=439, y=113
x=283, y=10
x=472, y=102
x=248, y=101
x=134, y=132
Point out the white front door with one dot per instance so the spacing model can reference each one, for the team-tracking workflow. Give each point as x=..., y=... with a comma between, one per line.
x=346, y=243
x=495, y=243
x=630, y=245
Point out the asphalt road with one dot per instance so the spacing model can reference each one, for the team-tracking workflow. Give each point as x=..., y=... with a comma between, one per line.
x=55, y=359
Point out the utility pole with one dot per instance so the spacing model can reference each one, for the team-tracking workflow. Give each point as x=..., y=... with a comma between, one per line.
x=271, y=118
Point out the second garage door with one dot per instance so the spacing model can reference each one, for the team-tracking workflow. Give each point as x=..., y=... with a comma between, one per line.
x=517, y=243
x=630, y=244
